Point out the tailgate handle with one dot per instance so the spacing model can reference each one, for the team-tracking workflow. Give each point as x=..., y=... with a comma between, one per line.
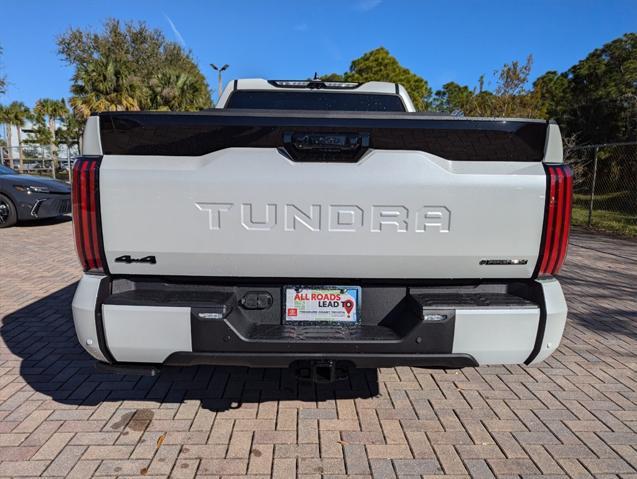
x=329, y=142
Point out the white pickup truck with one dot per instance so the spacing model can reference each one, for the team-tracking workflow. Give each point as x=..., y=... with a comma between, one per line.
x=322, y=226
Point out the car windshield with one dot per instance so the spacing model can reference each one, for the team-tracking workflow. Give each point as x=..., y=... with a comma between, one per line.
x=7, y=171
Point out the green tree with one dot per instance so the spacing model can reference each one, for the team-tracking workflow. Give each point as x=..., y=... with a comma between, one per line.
x=553, y=89
x=70, y=132
x=17, y=113
x=380, y=65
x=452, y=98
x=601, y=104
x=173, y=90
x=596, y=99
x=47, y=113
x=3, y=80
x=131, y=67
x=332, y=77
x=511, y=96
x=4, y=117
x=103, y=85
x=5, y=121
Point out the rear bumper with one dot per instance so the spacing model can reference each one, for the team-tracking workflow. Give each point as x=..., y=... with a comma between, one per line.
x=122, y=321
x=285, y=359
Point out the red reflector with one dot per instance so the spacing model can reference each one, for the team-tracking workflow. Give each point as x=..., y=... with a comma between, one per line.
x=86, y=215
x=557, y=217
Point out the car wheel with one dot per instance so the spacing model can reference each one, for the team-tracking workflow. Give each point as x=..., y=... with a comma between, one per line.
x=8, y=214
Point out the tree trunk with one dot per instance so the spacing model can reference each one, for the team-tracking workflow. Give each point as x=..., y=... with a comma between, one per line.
x=8, y=128
x=54, y=152
x=21, y=155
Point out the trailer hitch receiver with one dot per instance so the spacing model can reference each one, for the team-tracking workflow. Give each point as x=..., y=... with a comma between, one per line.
x=322, y=371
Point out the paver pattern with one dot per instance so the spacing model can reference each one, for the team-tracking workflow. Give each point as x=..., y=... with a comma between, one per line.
x=575, y=415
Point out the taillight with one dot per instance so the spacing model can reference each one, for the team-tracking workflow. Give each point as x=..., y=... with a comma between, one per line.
x=557, y=219
x=86, y=214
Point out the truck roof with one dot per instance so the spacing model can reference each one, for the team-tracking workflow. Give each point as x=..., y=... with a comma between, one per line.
x=378, y=87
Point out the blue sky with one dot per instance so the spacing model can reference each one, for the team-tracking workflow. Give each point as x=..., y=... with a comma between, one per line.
x=439, y=40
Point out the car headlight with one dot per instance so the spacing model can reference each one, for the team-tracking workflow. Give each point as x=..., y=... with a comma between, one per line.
x=31, y=189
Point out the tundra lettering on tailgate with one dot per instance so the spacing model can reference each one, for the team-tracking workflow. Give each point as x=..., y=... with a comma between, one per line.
x=332, y=217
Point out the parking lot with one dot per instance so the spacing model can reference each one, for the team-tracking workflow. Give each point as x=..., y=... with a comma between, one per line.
x=574, y=415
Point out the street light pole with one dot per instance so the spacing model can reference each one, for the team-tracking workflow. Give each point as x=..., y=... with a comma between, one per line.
x=219, y=70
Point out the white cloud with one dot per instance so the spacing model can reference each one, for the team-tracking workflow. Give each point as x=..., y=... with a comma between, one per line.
x=366, y=5
x=180, y=39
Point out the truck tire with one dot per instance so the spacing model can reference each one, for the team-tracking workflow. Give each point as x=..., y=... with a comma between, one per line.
x=8, y=214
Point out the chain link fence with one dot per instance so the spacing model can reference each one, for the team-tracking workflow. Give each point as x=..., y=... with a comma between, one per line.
x=605, y=186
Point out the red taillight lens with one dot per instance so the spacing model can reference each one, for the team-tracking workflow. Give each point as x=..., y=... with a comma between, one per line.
x=557, y=219
x=86, y=214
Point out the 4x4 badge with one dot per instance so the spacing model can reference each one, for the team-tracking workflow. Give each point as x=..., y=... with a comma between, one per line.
x=129, y=259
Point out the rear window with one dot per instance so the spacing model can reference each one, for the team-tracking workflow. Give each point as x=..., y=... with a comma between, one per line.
x=314, y=100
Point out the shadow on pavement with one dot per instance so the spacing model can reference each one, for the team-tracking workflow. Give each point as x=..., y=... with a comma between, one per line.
x=44, y=222
x=600, y=299
x=41, y=335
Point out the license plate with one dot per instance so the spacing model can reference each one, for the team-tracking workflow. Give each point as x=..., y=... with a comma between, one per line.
x=327, y=304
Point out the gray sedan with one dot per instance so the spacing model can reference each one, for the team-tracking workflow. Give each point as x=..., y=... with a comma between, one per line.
x=25, y=197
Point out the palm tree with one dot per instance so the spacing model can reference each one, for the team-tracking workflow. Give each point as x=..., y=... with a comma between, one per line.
x=70, y=134
x=6, y=122
x=3, y=80
x=18, y=113
x=103, y=86
x=173, y=90
x=50, y=110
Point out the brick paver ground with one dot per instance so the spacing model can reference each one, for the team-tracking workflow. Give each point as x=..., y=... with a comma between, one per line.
x=574, y=415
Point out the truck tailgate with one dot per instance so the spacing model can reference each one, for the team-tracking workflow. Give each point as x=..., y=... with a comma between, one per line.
x=243, y=211
x=253, y=212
